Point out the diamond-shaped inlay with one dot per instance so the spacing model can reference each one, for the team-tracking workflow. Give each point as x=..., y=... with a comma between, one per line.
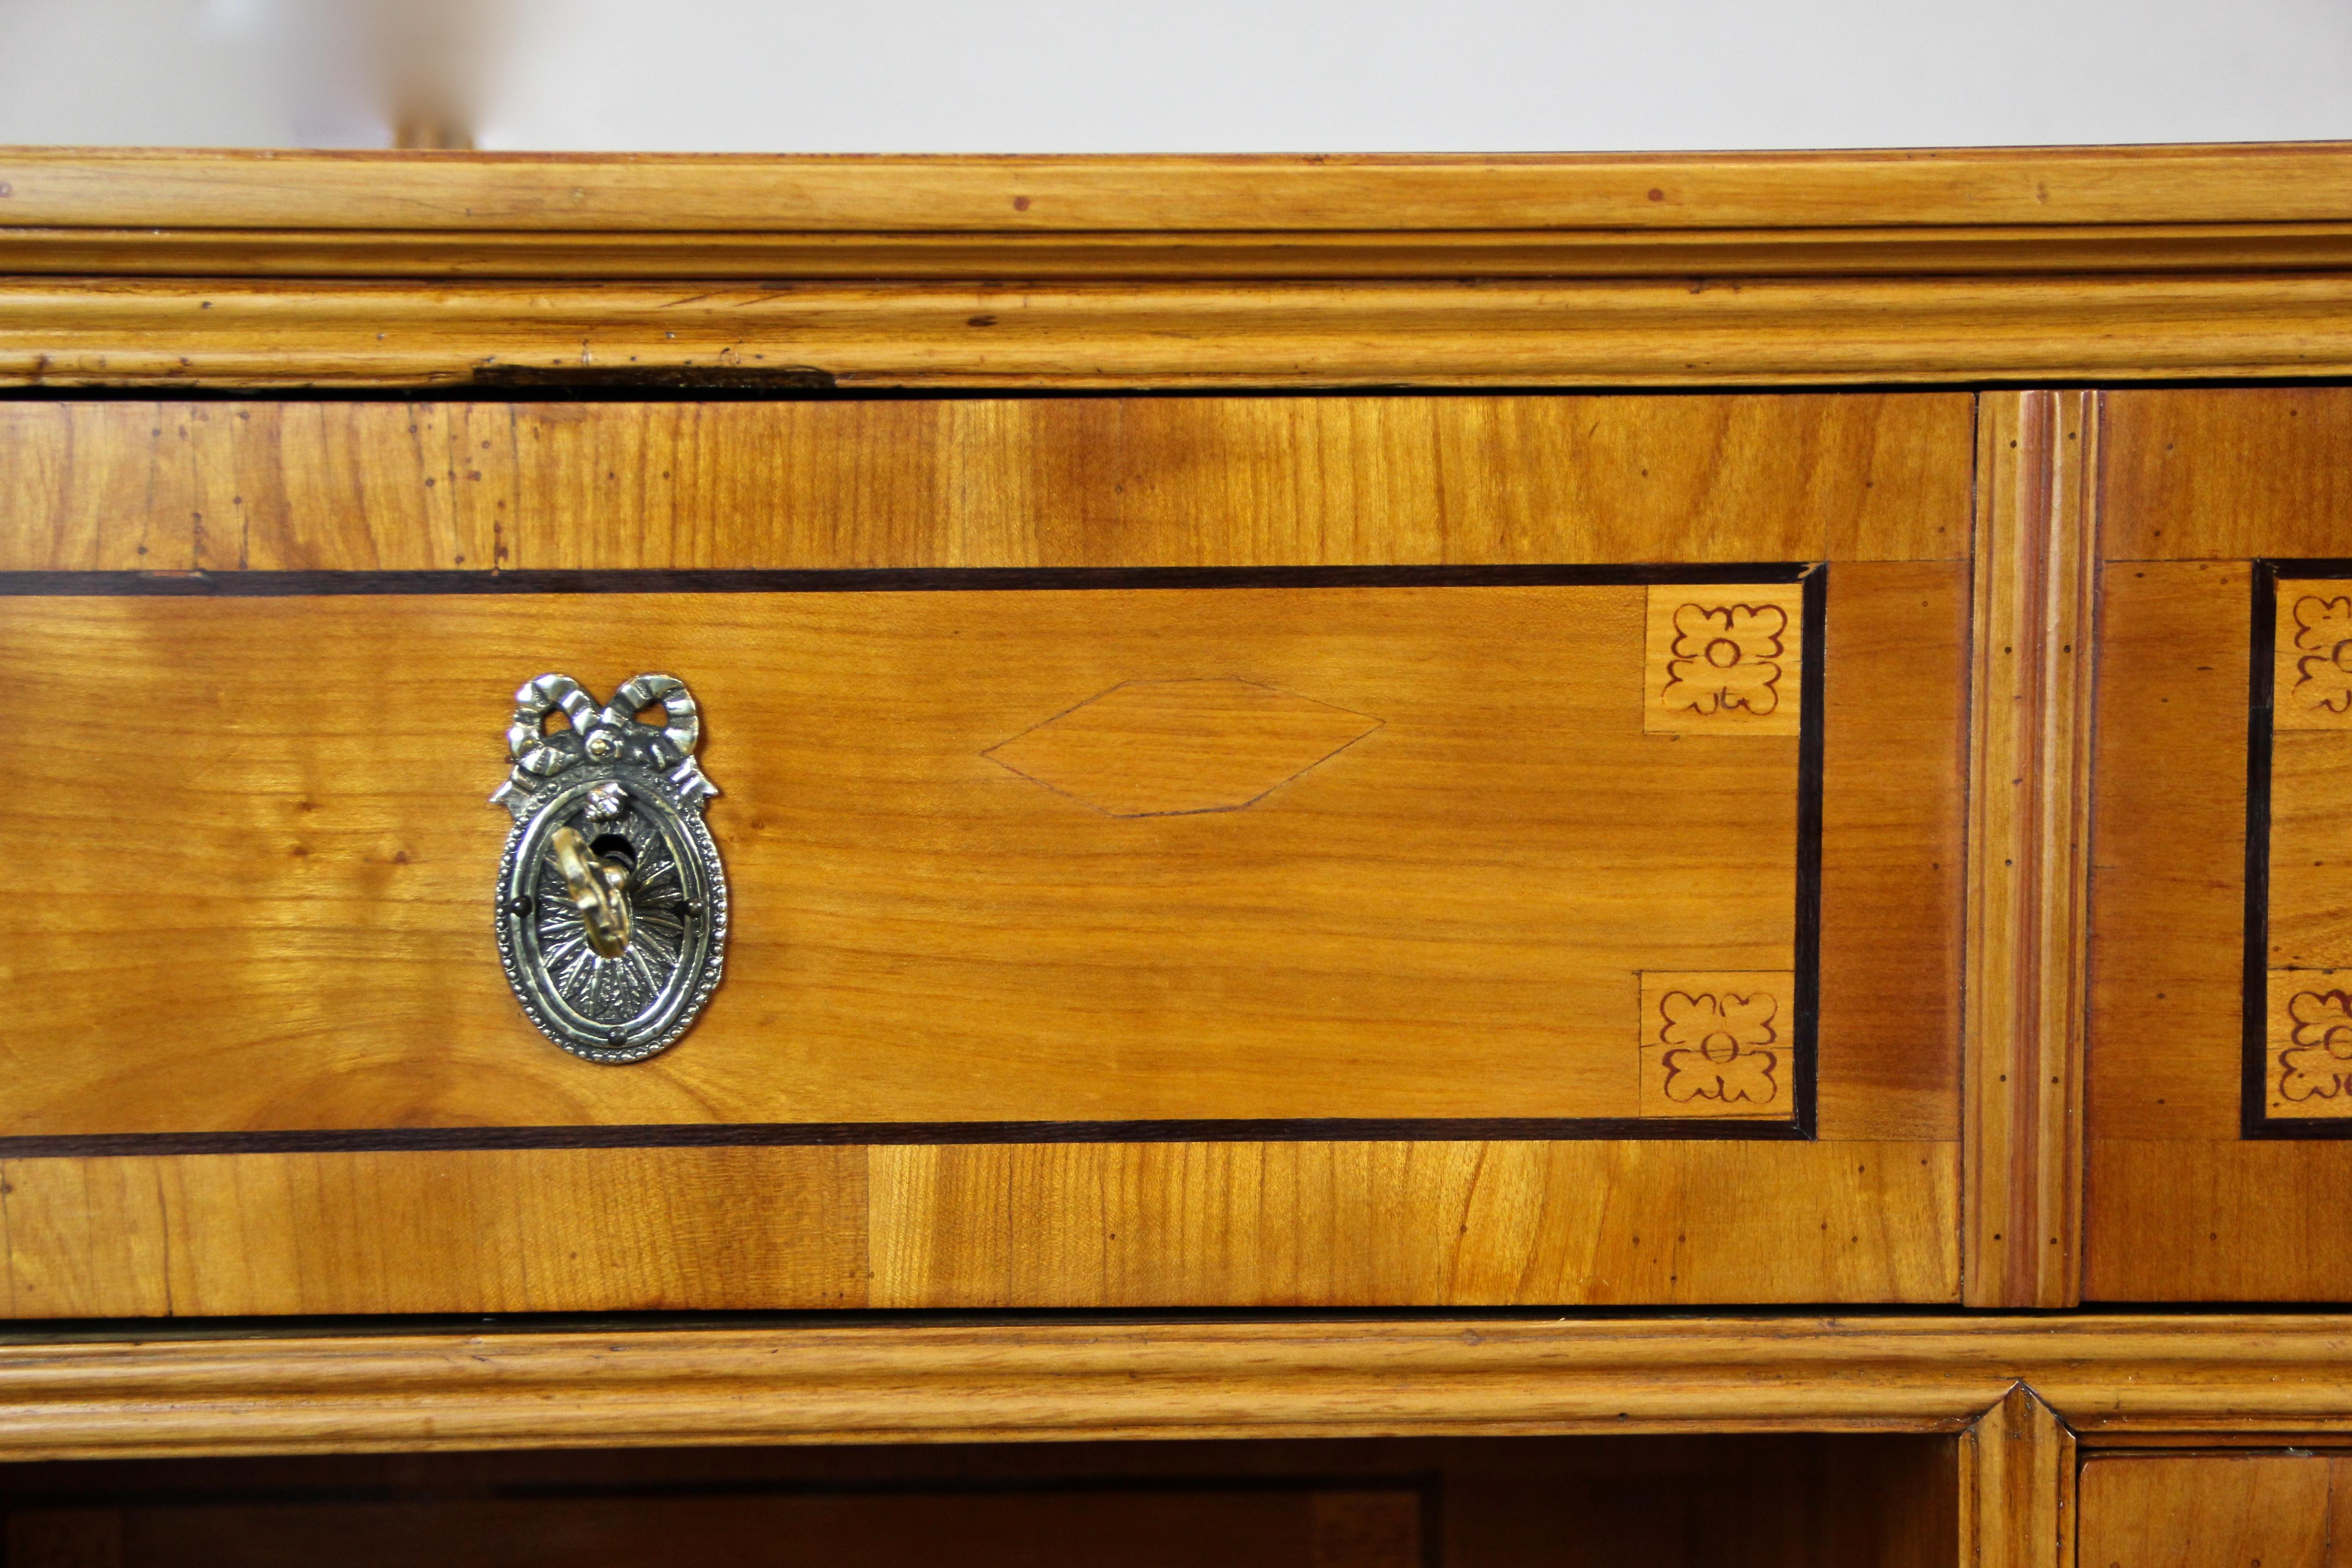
x=1164, y=748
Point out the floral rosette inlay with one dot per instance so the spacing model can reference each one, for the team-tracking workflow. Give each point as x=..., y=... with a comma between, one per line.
x=2316, y=1060
x=2323, y=643
x=1720, y=1047
x=1727, y=657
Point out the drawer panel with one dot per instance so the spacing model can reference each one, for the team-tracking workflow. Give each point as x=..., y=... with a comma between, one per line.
x=1072, y=903
x=1245, y=854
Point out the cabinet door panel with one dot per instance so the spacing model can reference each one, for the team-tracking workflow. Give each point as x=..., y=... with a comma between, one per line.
x=2220, y=1053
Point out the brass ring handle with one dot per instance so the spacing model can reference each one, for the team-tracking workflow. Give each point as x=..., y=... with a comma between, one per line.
x=599, y=889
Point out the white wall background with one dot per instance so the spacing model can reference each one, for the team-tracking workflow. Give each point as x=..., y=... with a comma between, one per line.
x=1056, y=76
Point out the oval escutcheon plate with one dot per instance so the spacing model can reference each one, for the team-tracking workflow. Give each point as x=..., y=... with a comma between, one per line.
x=611, y=905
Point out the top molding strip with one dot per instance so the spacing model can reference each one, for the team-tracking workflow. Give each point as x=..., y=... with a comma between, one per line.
x=645, y=193
x=465, y=273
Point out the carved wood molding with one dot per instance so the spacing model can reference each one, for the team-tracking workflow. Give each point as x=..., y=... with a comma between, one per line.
x=2110, y=1379
x=2017, y=1487
x=2029, y=836
x=1269, y=256
x=563, y=338
x=237, y=270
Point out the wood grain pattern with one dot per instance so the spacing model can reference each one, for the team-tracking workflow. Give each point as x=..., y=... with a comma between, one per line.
x=2109, y=263
x=2017, y=1487
x=164, y=188
x=2250, y=1510
x=1440, y=908
x=1142, y=1225
x=1258, y=481
x=2140, y=1377
x=2310, y=925
x=1084, y=1529
x=1665, y=332
x=1423, y=1224
x=677, y=255
x=2339, y=1511
x=2183, y=1208
x=2217, y=476
x=952, y=483
x=931, y=1383
x=2169, y=916
x=2217, y=1219
x=1893, y=800
x=2029, y=834
x=474, y=1231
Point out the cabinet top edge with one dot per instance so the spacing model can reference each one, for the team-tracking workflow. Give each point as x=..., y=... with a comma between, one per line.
x=710, y=194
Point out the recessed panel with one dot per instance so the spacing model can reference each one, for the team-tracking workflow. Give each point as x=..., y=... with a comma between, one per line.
x=1537, y=852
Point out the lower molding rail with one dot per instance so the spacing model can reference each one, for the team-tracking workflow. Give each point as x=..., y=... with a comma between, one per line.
x=2114, y=1380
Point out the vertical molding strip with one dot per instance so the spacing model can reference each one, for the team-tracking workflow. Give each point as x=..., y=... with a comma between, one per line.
x=2036, y=582
x=2017, y=1487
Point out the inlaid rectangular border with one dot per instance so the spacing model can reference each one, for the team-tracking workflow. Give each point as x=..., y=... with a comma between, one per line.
x=1801, y=1124
x=2254, y=1118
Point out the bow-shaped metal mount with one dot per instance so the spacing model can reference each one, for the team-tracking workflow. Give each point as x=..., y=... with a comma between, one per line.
x=610, y=733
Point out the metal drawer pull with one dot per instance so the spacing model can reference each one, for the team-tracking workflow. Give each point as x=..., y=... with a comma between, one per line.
x=611, y=905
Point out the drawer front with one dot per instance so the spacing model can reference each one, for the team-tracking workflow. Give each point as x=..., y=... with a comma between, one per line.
x=2221, y=1049
x=1477, y=850
x=2211, y=1510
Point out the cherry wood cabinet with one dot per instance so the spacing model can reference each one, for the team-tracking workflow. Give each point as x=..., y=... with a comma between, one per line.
x=1319, y=739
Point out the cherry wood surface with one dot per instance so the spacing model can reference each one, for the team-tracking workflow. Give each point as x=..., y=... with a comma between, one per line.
x=2017, y=1492
x=2118, y=211
x=365, y=841
x=500, y=338
x=312, y=855
x=1142, y=1225
x=2123, y=522
x=2182, y=1205
x=2104, y=1380
x=2180, y=247
x=2029, y=801
x=604, y=193
x=993, y=856
x=131, y=268
x=1382, y=481
x=2227, y=474
x=2209, y=1510
x=144, y=269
